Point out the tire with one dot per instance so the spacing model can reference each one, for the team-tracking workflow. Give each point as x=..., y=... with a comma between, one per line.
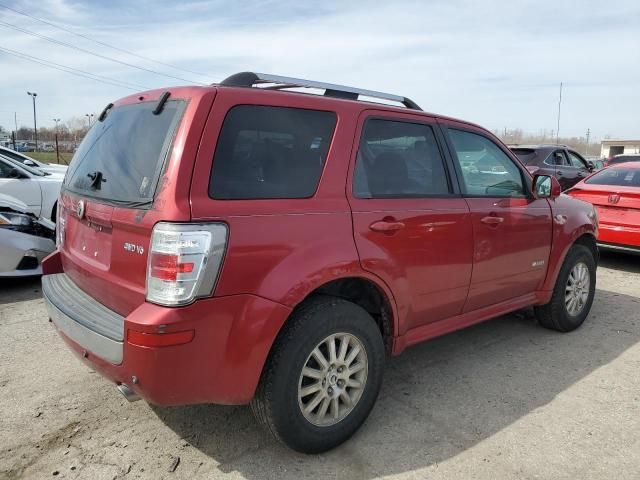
x=560, y=314
x=279, y=400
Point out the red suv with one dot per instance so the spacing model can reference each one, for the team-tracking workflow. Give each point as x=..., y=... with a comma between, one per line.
x=245, y=243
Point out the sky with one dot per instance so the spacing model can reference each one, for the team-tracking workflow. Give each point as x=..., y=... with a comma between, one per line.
x=495, y=63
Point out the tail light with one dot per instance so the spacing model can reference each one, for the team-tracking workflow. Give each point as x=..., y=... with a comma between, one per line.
x=184, y=261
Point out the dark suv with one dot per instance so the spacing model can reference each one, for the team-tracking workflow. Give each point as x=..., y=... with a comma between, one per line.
x=560, y=161
x=241, y=243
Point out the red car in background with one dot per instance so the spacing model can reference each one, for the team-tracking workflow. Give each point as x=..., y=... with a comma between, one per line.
x=615, y=192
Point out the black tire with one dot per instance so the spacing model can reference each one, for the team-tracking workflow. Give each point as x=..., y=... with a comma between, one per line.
x=276, y=404
x=555, y=314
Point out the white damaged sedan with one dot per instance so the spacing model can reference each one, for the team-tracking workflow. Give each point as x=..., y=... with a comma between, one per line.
x=37, y=189
x=24, y=239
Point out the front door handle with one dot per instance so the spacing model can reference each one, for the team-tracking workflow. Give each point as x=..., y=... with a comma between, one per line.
x=492, y=220
x=386, y=226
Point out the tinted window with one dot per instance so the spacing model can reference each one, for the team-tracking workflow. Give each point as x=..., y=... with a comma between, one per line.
x=486, y=169
x=398, y=159
x=526, y=155
x=128, y=149
x=270, y=152
x=576, y=161
x=5, y=170
x=621, y=177
x=558, y=158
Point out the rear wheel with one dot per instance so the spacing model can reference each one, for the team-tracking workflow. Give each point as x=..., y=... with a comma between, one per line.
x=322, y=377
x=573, y=293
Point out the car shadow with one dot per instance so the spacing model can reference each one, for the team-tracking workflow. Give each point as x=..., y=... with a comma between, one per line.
x=623, y=262
x=20, y=289
x=439, y=398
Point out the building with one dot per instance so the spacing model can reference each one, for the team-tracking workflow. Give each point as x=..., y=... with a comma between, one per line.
x=610, y=148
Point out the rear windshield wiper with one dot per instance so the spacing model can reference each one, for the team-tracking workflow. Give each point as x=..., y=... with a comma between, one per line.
x=96, y=179
x=161, y=101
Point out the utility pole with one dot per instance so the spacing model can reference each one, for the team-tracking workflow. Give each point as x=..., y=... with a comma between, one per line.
x=559, y=106
x=89, y=118
x=586, y=150
x=57, y=149
x=33, y=96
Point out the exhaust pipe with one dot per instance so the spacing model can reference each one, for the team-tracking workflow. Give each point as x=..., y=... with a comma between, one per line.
x=127, y=393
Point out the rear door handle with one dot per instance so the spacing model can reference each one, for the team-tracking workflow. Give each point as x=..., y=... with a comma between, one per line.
x=386, y=226
x=492, y=220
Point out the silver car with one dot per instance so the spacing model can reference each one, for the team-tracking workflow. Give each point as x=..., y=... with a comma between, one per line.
x=24, y=239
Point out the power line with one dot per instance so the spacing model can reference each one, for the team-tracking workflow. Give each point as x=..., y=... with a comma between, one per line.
x=86, y=37
x=71, y=70
x=111, y=59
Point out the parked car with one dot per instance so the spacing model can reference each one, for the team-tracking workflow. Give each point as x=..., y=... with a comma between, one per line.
x=31, y=162
x=622, y=158
x=37, y=189
x=615, y=192
x=24, y=239
x=560, y=161
x=291, y=241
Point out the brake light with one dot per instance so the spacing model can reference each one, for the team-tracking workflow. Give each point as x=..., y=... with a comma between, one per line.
x=184, y=261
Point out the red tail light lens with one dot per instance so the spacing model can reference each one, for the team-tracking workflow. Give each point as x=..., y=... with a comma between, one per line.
x=164, y=266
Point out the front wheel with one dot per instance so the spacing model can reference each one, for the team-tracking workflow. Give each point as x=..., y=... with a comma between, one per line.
x=573, y=293
x=322, y=377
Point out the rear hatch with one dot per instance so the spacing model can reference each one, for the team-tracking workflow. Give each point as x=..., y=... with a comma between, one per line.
x=123, y=179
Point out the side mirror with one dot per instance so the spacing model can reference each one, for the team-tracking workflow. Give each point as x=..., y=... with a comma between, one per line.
x=29, y=163
x=545, y=186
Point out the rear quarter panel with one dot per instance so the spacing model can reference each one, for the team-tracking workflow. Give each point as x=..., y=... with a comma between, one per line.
x=282, y=249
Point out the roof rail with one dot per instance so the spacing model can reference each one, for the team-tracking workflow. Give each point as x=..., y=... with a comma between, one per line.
x=277, y=82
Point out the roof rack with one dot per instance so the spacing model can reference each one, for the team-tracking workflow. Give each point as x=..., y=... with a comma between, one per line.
x=277, y=82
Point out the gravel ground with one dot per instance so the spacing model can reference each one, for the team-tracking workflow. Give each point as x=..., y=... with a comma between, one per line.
x=503, y=399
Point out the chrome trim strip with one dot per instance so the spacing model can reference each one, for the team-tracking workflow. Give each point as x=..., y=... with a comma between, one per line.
x=618, y=248
x=103, y=347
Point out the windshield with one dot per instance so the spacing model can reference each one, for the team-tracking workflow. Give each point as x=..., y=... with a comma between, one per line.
x=121, y=157
x=620, y=177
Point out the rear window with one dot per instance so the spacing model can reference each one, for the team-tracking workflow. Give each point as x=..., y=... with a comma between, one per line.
x=620, y=177
x=526, y=155
x=625, y=158
x=121, y=157
x=270, y=152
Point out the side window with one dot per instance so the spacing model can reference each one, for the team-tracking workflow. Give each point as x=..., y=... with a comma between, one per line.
x=486, y=170
x=5, y=170
x=557, y=158
x=398, y=159
x=270, y=152
x=576, y=161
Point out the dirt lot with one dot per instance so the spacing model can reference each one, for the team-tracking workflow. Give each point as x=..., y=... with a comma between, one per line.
x=504, y=399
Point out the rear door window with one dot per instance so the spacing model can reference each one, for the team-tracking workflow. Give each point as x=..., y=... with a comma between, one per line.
x=121, y=157
x=557, y=158
x=269, y=152
x=398, y=160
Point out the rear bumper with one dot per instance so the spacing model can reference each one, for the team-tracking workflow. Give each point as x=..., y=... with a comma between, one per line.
x=222, y=364
x=619, y=238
